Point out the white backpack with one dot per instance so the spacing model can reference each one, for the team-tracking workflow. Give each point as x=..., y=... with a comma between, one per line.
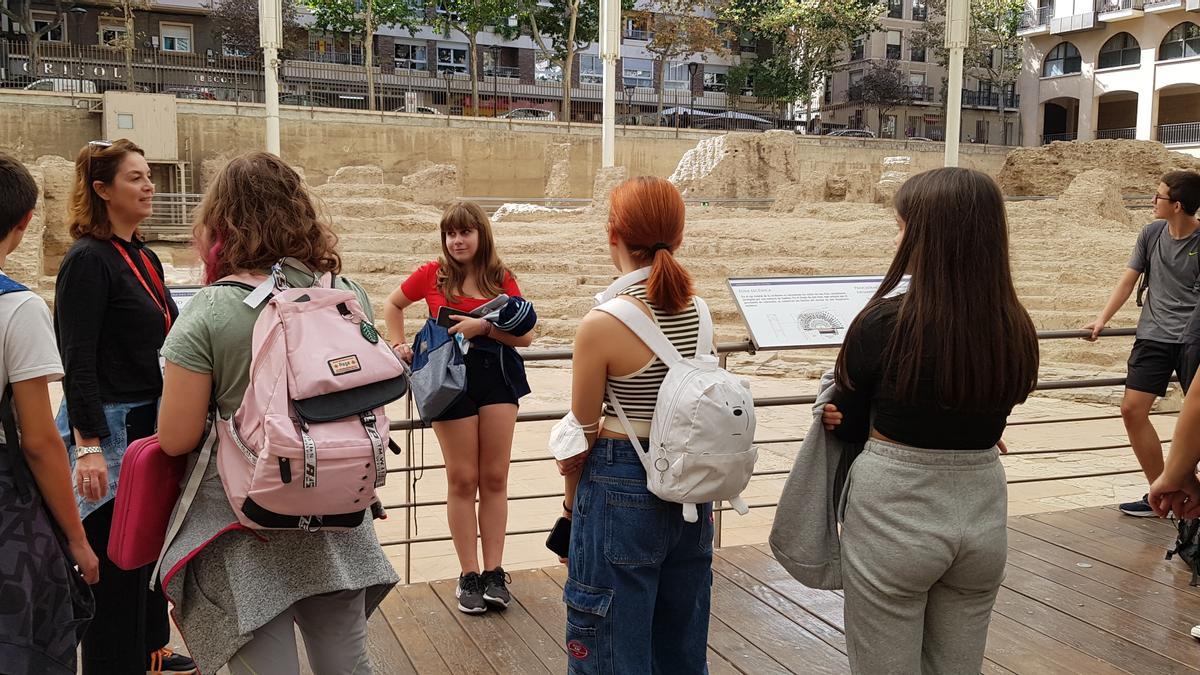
x=702, y=433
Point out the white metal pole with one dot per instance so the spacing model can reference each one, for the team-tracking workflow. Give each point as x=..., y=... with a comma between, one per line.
x=958, y=20
x=270, y=22
x=610, y=50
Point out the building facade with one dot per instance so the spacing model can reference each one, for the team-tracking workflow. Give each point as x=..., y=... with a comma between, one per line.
x=425, y=69
x=1112, y=69
x=989, y=110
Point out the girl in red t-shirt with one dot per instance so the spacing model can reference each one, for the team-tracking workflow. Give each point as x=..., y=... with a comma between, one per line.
x=476, y=432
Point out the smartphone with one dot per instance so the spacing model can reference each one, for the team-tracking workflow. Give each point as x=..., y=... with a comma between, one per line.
x=444, y=314
x=559, y=541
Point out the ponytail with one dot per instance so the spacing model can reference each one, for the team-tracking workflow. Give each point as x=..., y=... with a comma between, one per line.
x=647, y=214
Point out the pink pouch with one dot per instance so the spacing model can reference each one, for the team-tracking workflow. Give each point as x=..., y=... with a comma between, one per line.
x=148, y=489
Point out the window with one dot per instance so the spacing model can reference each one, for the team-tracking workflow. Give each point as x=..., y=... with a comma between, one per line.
x=1062, y=60
x=1182, y=42
x=675, y=76
x=916, y=86
x=412, y=57
x=43, y=19
x=916, y=53
x=828, y=90
x=112, y=33
x=857, y=48
x=452, y=59
x=591, y=69
x=895, y=9
x=176, y=37
x=714, y=78
x=544, y=71
x=981, y=131
x=893, y=45
x=638, y=72
x=747, y=43
x=637, y=27
x=855, y=77
x=1120, y=50
x=919, y=12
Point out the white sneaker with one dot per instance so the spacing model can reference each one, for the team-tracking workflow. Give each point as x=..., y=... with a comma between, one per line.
x=1196, y=632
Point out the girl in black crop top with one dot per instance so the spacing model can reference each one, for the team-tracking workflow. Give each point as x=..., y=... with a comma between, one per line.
x=927, y=379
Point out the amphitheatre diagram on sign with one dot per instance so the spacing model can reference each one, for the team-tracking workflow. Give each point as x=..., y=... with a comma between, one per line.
x=783, y=312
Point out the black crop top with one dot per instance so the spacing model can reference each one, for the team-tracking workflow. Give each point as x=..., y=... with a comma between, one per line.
x=922, y=424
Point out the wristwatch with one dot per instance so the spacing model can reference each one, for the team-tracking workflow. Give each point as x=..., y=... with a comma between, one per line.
x=82, y=450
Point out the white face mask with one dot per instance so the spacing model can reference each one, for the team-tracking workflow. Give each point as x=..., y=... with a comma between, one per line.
x=569, y=438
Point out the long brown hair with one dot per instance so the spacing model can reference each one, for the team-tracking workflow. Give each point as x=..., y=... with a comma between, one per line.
x=257, y=212
x=96, y=161
x=489, y=271
x=647, y=214
x=961, y=308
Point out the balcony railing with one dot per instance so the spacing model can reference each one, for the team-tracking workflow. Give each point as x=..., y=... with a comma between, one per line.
x=502, y=71
x=1118, y=5
x=1050, y=138
x=911, y=93
x=1127, y=132
x=1035, y=18
x=1186, y=133
x=990, y=99
x=635, y=34
x=1156, y=4
x=344, y=58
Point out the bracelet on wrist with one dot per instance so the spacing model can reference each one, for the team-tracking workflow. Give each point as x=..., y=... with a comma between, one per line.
x=566, y=508
x=82, y=451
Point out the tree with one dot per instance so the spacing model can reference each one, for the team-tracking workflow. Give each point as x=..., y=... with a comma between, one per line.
x=811, y=35
x=235, y=23
x=884, y=88
x=127, y=40
x=20, y=12
x=993, y=46
x=469, y=18
x=679, y=32
x=775, y=79
x=360, y=18
x=560, y=30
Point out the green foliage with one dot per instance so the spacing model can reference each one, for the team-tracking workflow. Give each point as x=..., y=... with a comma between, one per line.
x=807, y=37
x=350, y=16
x=993, y=46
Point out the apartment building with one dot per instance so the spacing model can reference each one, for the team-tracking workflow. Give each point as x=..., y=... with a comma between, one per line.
x=990, y=111
x=170, y=26
x=1112, y=69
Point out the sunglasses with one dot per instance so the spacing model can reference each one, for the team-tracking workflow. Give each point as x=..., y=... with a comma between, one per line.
x=93, y=147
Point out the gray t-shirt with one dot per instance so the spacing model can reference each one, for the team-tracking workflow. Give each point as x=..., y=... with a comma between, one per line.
x=1174, y=272
x=26, y=340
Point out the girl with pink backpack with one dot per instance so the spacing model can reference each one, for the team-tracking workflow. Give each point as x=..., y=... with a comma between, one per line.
x=239, y=593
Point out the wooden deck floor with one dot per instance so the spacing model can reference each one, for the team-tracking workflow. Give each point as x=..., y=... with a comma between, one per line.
x=1087, y=592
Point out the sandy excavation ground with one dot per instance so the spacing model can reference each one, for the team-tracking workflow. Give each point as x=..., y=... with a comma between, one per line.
x=1066, y=254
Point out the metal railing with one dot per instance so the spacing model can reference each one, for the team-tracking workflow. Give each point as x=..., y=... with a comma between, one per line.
x=1186, y=133
x=1157, y=4
x=1035, y=18
x=1127, y=132
x=990, y=99
x=1119, y=5
x=636, y=34
x=172, y=215
x=1050, y=138
x=502, y=71
x=412, y=468
x=909, y=93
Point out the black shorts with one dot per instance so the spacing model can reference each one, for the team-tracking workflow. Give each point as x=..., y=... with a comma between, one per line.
x=485, y=386
x=1151, y=364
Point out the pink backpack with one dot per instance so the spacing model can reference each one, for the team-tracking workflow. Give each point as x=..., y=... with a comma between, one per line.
x=305, y=450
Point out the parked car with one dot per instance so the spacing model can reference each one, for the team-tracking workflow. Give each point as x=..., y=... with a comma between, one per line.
x=419, y=110
x=191, y=93
x=920, y=138
x=301, y=100
x=530, y=114
x=852, y=133
x=62, y=84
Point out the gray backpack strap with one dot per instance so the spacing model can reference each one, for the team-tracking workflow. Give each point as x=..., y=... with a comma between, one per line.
x=188, y=495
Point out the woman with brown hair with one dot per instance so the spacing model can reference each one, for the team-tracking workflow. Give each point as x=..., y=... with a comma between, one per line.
x=238, y=598
x=111, y=314
x=476, y=432
x=927, y=379
x=639, y=576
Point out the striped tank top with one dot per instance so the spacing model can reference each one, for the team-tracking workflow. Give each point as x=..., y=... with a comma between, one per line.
x=638, y=391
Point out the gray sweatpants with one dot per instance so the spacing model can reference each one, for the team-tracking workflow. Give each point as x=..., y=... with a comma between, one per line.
x=924, y=545
x=334, y=626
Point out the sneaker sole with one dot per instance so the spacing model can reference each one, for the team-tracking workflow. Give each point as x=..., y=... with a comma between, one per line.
x=498, y=602
x=1196, y=632
x=1140, y=514
x=471, y=610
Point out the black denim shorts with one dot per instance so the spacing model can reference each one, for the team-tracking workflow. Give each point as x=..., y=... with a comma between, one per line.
x=485, y=386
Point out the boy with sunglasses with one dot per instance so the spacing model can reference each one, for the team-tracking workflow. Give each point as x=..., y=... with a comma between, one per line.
x=1167, y=259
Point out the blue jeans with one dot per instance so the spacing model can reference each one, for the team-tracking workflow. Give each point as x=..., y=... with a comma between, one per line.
x=639, y=577
x=113, y=445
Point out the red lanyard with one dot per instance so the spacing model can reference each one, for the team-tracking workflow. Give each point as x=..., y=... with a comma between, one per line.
x=160, y=299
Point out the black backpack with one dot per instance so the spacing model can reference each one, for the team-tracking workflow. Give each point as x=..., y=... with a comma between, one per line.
x=1187, y=547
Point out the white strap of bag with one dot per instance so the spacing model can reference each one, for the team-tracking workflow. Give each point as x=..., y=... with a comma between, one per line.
x=188, y=495
x=614, y=289
x=650, y=334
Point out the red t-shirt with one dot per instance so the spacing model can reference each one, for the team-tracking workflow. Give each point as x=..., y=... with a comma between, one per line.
x=422, y=285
